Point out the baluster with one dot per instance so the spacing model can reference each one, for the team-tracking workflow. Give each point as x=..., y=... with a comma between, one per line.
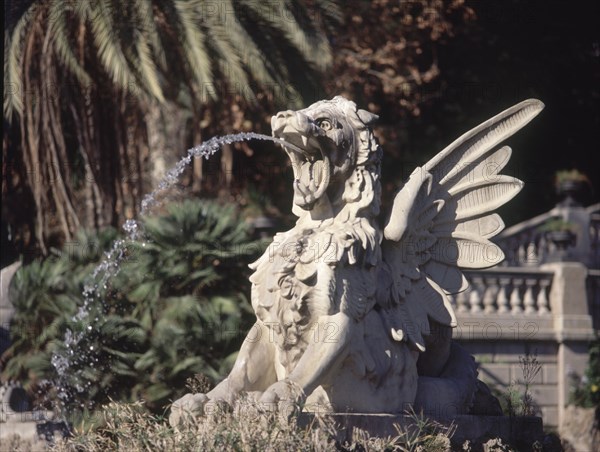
x=551, y=248
x=542, y=249
x=522, y=255
x=542, y=298
x=489, y=295
x=532, y=256
x=515, y=297
x=475, y=295
x=529, y=301
x=517, y=249
x=502, y=299
x=510, y=251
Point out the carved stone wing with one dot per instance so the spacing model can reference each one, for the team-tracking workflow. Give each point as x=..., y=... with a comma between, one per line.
x=442, y=220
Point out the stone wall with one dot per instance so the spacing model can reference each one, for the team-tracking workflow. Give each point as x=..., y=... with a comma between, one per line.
x=513, y=312
x=500, y=367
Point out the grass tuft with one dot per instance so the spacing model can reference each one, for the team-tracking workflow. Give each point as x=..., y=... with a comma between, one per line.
x=133, y=428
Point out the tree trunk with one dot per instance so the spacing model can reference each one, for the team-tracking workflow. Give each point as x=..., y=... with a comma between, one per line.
x=165, y=125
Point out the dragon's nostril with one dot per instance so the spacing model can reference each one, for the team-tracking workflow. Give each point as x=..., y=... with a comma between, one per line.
x=285, y=114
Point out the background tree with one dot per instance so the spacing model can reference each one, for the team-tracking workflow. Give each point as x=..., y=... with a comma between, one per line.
x=100, y=95
x=433, y=69
x=388, y=56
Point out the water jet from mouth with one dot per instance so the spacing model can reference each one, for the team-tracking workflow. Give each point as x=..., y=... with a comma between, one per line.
x=91, y=312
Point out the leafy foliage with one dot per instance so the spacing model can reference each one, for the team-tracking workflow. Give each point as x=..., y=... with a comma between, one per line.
x=586, y=390
x=517, y=400
x=571, y=175
x=386, y=52
x=177, y=308
x=45, y=294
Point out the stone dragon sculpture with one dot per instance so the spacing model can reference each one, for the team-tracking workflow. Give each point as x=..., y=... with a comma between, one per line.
x=353, y=309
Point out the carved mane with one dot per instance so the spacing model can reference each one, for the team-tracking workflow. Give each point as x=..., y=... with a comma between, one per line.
x=356, y=223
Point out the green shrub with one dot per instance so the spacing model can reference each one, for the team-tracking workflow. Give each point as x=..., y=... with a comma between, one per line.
x=585, y=391
x=177, y=307
x=45, y=294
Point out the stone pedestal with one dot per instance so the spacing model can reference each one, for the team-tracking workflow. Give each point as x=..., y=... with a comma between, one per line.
x=572, y=325
x=581, y=428
x=6, y=308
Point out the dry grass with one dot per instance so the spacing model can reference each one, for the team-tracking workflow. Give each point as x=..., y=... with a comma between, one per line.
x=129, y=427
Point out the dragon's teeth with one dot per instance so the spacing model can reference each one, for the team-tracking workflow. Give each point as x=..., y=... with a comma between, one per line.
x=398, y=334
x=305, y=174
x=318, y=171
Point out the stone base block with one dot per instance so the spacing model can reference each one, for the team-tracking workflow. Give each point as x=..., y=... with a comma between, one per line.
x=33, y=436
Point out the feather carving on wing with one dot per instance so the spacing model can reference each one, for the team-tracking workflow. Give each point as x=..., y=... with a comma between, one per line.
x=441, y=222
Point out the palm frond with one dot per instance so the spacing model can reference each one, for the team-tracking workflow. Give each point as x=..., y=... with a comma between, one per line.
x=109, y=48
x=273, y=42
x=198, y=58
x=330, y=14
x=313, y=46
x=148, y=27
x=8, y=88
x=256, y=62
x=148, y=71
x=13, y=51
x=62, y=44
x=228, y=56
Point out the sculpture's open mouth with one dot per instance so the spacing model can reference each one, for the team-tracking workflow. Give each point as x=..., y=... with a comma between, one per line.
x=311, y=166
x=311, y=175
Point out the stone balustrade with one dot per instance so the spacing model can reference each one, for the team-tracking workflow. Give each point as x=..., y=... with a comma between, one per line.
x=527, y=244
x=511, y=312
x=505, y=303
x=505, y=290
x=543, y=301
x=508, y=303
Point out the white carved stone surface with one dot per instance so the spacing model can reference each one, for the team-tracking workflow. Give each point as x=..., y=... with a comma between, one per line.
x=355, y=317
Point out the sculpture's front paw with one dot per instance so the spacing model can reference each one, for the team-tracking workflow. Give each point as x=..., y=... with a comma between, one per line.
x=189, y=407
x=283, y=396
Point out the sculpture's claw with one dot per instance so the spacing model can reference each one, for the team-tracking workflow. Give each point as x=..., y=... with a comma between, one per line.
x=282, y=397
x=188, y=407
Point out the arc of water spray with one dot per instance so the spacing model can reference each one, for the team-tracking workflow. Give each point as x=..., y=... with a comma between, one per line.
x=205, y=150
x=109, y=267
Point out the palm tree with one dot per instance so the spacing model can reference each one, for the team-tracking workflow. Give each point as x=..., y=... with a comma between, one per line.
x=99, y=94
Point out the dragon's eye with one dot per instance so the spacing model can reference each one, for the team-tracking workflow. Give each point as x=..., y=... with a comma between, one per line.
x=324, y=124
